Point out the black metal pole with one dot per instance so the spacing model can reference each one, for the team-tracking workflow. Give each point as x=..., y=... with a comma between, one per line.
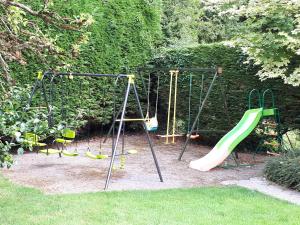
x=84, y=74
x=47, y=104
x=112, y=125
x=147, y=133
x=117, y=138
x=143, y=81
x=36, y=85
x=115, y=116
x=51, y=97
x=123, y=138
x=198, y=115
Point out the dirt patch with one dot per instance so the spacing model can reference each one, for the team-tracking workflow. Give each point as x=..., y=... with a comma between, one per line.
x=52, y=174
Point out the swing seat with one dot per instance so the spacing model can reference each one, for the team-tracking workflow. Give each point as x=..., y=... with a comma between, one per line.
x=193, y=136
x=152, y=129
x=67, y=136
x=152, y=124
x=33, y=140
x=92, y=156
x=68, y=153
x=49, y=151
x=132, y=151
x=34, y=144
x=63, y=141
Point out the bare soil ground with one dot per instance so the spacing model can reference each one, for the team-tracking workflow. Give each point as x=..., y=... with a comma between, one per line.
x=52, y=174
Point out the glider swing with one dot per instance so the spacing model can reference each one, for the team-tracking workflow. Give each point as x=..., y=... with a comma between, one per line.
x=67, y=135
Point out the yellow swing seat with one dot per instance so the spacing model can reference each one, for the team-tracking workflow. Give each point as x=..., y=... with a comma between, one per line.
x=35, y=144
x=92, y=156
x=68, y=153
x=63, y=141
x=33, y=140
x=67, y=136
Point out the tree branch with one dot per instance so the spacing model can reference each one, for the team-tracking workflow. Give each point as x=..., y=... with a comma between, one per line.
x=5, y=68
x=45, y=16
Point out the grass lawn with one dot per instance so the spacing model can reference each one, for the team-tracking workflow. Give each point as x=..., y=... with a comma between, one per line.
x=226, y=205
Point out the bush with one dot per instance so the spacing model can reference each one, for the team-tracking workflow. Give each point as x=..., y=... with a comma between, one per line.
x=5, y=158
x=16, y=120
x=285, y=170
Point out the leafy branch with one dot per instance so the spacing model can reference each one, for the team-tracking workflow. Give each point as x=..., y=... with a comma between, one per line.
x=23, y=30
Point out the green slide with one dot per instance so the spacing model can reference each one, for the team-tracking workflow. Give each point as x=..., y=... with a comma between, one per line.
x=228, y=143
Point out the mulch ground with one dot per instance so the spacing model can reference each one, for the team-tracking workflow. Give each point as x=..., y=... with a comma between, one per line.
x=52, y=174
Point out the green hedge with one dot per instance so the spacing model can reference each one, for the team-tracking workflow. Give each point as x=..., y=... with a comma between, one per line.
x=284, y=171
x=123, y=36
x=236, y=81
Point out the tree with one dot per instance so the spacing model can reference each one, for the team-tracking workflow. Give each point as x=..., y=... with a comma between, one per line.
x=270, y=35
x=24, y=31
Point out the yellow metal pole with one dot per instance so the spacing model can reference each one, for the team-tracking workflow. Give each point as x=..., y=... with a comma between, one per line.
x=175, y=105
x=169, y=106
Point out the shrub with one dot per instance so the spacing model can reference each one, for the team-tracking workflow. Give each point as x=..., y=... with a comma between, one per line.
x=5, y=158
x=285, y=170
x=16, y=120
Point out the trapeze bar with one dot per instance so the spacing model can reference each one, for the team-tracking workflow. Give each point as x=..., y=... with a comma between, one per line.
x=85, y=74
x=128, y=120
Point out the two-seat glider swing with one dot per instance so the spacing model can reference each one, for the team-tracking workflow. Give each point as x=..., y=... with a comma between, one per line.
x=68, y=135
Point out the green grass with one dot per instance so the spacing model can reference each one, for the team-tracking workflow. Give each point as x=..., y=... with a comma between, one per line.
x=230, y=205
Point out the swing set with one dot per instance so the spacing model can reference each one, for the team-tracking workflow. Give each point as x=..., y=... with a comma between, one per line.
x=174, y=74
x=68, y=135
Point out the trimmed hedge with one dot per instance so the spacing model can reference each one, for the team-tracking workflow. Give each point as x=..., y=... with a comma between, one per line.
x=236, y=81
x=284, y=171
x=123, y=36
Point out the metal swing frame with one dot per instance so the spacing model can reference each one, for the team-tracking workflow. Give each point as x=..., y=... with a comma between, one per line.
x=175, y=71
x=130, y=85
x=218, y=71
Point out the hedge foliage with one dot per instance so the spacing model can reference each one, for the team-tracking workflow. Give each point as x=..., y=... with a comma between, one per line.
x=123, y=36
x=285, y=170
x=233, y=85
